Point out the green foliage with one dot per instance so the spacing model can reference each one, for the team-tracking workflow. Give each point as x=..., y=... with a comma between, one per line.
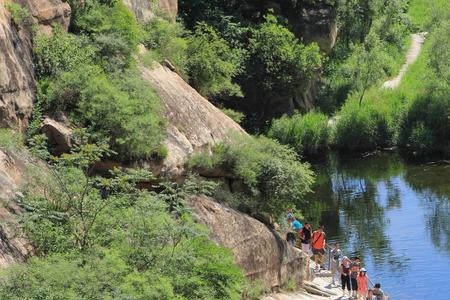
x=19, y=14
x=102, y=238
x=10, y=140
x=123, y=108
x=166, y=41
x=236, y=116
x=212, y=63
x=367, y=64
x=61, y=52
x=271, y=174
x=362, y=128
x=424, y=14
x=95, y=18
x=439, y=57
x=307, y=134
x=253, y=290
x=278, y=63
x=425, y=126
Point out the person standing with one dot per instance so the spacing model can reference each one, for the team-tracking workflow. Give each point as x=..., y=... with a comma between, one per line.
x=318, y=246
x=344, y=269
x=305, y=237
x=336, y=255
x=354, y=271
x=294, y=228
x=362, y=284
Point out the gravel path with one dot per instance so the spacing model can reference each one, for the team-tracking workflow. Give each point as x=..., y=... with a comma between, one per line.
x=417, y=41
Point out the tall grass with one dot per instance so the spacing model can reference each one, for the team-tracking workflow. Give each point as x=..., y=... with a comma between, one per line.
x=307, y=134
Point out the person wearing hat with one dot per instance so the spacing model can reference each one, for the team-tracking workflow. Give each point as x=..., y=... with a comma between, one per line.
x=362, y=284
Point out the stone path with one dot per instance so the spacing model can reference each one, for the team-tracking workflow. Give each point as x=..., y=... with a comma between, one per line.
x=323, y=282
x=417, y=41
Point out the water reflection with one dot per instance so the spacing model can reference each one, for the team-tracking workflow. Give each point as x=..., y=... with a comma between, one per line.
x=393, y=214
x=432, y=182
x=348, y=200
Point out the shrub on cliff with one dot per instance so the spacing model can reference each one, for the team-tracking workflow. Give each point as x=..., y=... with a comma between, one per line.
x=121, y=107
x=212, y=63
x=307, y=134
x=102, y=238
x=272, y=176
x=166, y=40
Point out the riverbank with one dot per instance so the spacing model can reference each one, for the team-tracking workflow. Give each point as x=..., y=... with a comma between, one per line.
x=321, y=282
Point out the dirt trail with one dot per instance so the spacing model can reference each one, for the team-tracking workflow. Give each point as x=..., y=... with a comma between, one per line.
x=417, y=41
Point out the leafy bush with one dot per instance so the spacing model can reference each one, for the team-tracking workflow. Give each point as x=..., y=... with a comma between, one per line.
x=19, y=15
x=102, y=238
x=307, y=134
x=96, y=17
x=236, y=116
x=61, y=52
x=425, y=128
x=366, y=127
x=272, y=176
x=10, y=140
x=212, y=63
x=278, y=64
x=166, y=41
x=123, y=108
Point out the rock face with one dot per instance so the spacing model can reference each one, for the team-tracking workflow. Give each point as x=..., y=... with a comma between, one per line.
x=58, y=134
x=17, y=89
x=193, y=122
x=259, y=251
x=16, y=75
x=12, y=249
x=145, y=9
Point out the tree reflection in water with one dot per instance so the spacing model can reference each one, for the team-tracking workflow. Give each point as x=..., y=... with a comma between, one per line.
x=433, y=183
x=348, y=199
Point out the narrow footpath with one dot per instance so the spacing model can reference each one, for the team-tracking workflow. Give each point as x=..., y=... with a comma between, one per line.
x=322, y=283
x=417, y=41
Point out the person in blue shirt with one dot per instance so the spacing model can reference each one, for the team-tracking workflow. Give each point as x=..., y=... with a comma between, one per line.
x=294, y=227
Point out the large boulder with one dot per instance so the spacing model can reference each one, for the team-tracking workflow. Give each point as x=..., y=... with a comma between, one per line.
x=17, y=87
x=144, y=10
x=194, y=124
x=59, y=135
x=12, y=247
x=258, y=250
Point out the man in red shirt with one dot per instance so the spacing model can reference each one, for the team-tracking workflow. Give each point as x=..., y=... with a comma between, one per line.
x=318, y=246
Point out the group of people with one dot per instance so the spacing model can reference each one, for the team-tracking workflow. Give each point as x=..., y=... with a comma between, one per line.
x=310, y=241
x=353, y=277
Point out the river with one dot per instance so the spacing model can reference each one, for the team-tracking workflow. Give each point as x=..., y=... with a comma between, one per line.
x=393, y=214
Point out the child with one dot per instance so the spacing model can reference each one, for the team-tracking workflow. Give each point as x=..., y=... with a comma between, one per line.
x=362, y=284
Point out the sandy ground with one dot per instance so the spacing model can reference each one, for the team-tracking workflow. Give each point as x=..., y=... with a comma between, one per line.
x=417, y=41
x=322, y=282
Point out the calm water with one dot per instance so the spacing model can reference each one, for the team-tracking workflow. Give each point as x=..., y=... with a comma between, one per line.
x=394, y=215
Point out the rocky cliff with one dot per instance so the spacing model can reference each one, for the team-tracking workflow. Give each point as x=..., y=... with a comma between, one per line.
x=12, y=169
x=145, y=9
x=193, y=122
x=258, y=250
x=17, y=90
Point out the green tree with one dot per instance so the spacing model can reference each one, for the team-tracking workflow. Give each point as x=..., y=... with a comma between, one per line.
x=366, y=66
x=278, y=63
x=167, y=40
x=271, y=175
x=212, y=63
